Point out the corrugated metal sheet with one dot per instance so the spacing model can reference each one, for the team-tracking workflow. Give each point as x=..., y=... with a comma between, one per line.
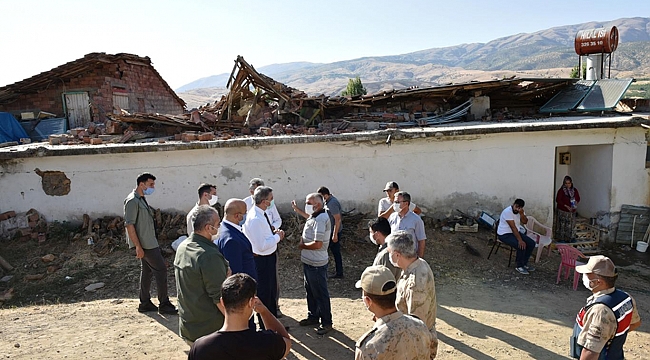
x=604, y=95
x=568, y=98
x=78, y=109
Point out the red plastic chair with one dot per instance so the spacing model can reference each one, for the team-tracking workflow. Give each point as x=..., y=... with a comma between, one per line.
x=569, y=257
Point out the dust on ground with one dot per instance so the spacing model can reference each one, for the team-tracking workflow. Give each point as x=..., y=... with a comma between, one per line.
x=486, y=310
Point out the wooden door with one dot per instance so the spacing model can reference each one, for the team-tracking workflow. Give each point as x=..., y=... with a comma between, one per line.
x=78, y=106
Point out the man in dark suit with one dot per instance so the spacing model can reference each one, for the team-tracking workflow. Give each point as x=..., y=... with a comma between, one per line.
x=234, y=244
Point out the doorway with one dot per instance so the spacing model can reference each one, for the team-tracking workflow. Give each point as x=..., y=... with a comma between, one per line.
x=590, y=167
x=77, y=106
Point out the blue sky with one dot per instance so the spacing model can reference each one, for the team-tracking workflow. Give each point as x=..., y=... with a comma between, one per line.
x=190, y=39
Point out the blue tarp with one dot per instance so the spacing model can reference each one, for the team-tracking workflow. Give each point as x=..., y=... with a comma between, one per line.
x=10, y=129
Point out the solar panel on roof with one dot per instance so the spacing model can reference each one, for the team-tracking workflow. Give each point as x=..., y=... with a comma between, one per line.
x=568, y=98
x=604, y=95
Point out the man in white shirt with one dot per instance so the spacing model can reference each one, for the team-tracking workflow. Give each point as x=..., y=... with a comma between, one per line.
x=264, y=240
x=404, y=219
x=271, y=212
x=276, y=222
x=207, y=196
x=385, y=207
x=512, y=233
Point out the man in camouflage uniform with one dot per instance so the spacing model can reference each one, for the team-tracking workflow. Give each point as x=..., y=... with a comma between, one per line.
x=416, y=287
x=394, y=335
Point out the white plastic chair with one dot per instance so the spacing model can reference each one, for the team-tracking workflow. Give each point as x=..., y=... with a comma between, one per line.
x=542, y=240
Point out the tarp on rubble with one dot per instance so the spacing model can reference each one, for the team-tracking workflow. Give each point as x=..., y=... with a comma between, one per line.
x=10, y=129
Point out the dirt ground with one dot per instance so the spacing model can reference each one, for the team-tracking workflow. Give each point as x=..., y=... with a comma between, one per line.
x=486, y=310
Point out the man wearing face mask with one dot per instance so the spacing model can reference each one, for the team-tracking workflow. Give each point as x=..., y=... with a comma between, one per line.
x=385, y=207
x=200, y=270
x=404, y=219
x=416, y=286
x=207, y=196
x=233, y=243
x=379, y=229
x=264, y=241
x=602, y=325
x=235, y=340
x=313, y=254
x=394, y=335
x=512, y=233
x=271, y=211
x=141, y=234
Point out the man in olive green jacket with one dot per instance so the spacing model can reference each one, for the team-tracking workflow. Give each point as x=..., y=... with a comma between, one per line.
x=200, y=270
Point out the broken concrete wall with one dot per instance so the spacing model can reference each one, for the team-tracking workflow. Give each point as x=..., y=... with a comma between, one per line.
x=441, y=170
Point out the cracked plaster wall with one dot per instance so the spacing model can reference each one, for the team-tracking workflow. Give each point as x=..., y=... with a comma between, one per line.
x=470, y=173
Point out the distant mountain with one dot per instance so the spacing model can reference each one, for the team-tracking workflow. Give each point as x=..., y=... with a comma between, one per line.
x=222, y=79
x=546, y=53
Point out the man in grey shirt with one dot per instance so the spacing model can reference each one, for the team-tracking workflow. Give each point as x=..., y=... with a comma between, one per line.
x=313, y=254
x=333, y=207
x=404, y=219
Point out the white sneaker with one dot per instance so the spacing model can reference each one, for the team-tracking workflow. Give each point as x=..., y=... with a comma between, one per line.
x=522, y=270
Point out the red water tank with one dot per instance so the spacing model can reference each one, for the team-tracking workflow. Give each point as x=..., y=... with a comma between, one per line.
x=596, y=41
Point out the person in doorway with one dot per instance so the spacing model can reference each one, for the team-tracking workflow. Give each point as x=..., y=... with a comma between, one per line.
x=141, y=235
x=235, y=340
x=602, y=325
x=207, y=196
x=567, y=200
x=385, y=207
x=511, y=232
x=333, y=208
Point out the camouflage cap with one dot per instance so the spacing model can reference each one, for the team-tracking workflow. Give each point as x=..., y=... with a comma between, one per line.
x=377, y=280
x=599, y=265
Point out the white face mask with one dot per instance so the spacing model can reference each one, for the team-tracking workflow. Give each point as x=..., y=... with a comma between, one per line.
x=309, y=209
x=394, y=262
x=586, y=282
x=396, y=207
x=213, y=200
x=372, y=240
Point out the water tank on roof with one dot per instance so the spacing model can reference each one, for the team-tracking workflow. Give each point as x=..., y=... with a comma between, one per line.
x=596, y=41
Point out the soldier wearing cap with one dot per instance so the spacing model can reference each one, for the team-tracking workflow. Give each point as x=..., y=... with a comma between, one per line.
x=385, y=207
x=394, y=334
x=602, y=325
x=416, y=287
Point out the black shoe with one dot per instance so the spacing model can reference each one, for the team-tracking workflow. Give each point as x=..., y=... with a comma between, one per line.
x=335, y=276
x=167, y=309
x=308, y=322
x=322, y=330
x=280, y=314
x=147, y=307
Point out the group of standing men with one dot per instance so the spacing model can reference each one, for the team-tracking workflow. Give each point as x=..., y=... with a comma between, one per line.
x=215, y=308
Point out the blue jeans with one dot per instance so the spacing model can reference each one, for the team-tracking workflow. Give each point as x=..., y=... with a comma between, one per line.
x=522, y=255
x=318, y=297
x=335, y=248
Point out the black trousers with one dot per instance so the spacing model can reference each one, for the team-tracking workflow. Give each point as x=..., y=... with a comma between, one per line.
x=153, y=265
x=267, y=283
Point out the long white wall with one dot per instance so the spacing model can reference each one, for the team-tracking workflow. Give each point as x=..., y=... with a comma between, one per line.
x=470, y=173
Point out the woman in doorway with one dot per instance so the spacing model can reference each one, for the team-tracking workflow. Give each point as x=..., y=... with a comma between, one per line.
x=567, y=200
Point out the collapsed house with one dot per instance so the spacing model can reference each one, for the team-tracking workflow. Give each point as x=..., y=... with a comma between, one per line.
x=88, y=90
x=257, y=103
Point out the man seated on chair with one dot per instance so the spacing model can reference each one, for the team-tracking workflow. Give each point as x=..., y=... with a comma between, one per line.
x=512, y=233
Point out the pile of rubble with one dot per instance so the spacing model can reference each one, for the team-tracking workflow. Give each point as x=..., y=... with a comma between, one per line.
x=23, y=226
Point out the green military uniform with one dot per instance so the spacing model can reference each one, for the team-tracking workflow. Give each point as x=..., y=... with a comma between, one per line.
x=200, y=270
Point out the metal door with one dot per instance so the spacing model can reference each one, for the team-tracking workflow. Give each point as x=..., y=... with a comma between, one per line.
x=78, y=109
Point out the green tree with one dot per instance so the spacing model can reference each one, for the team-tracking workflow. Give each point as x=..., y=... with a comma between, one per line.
x=575, y=74
x=355, y=87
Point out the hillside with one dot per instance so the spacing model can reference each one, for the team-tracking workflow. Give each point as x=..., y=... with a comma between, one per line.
x=546, y=53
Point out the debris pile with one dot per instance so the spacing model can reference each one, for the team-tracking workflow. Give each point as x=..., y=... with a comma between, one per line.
x=23, y=226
